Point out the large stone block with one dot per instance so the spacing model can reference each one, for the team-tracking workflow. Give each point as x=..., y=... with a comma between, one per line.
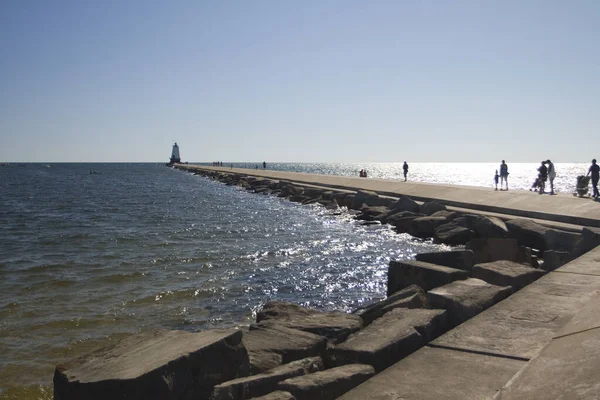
x=528, y=233
x=493, y=249
x=458, y=259
x=452, y=234
x=276, y=395
x=490, y=227
x=467, y=298
x=410, y=297
x=424, y=227
x=327, y=385
x=506, y=273
x=364, y=197
x=590, y=238
x=402, y=274
x=561, y=240
x=431, y=207
x=332, y=325
x=270, y=345
x=156, y=365
x=405, y=203
x=262, y=384
x=392, y=337
x=555, y=259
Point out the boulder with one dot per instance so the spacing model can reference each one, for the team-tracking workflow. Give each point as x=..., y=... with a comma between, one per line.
x=525, y=256
x=364, y=197
x=155, y=365
x=262, y=384
x=405, y=203
x=528, y=233
x=452, y=234
x=431, y=207
x=394, y=215
x=424, y=227
x=493, y=249
x=467, y=220
x=329, y=384
x=299, y=198
x=270, y=345
x=490, y=227
x=506, y=273
x=449, y=215
x=458, y=259
x=335, y=326
x=392, y=337
x=276, y=395
x=411, y=297
x=370, y=213
x=561, y=240
x=555, y=259
x=466, y=298
x=402, y=274
x=590, y=238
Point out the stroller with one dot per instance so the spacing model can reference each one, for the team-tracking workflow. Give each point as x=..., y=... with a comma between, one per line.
x=582, y=186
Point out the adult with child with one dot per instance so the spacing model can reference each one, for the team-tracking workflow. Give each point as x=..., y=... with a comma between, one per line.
x=503, y=174
x=595, y=172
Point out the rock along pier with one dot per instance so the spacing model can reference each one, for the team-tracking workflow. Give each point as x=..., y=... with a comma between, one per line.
x=512, y=312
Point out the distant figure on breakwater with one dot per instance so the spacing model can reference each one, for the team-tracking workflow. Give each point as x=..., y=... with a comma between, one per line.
x=503, y=174
x=595, y=172
x=496, y=177
x=405, y=169
x=264, y=165
x=362, y=173
x=551, y=175
x=543, y=170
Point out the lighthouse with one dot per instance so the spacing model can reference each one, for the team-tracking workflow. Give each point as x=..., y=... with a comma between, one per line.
x=175, y=159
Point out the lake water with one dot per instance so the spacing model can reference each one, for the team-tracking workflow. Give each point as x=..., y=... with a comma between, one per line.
x=86, y=259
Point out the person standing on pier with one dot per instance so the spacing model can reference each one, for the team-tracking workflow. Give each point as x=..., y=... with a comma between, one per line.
x=503, y=174
x=543, y=170
x=264, y=165
x=405, y=169
x=551, y=175
x=595, y=171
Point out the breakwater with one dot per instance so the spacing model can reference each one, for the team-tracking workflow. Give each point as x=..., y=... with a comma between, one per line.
x=312, y=354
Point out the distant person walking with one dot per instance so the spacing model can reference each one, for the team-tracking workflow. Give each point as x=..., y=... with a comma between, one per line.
x=264, y=165
x=503, y=174
x=496, y=179
x=543, y=170
x=551, y=175
x=405, y=169
x=595, y=172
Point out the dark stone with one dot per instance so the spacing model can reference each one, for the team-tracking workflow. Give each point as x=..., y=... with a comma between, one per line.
x=590, y=238
x=262, y=384
x=370, y=213
x=402, y=274
x=561, y=240
x=157, y=365
x=410, y=297
x=364, y=197
x=458, y=259
x=329, y=384
x=424, y=227
x=528, y=233
x=555, y=259
x=332, y=325
x=298, y=198
x=452, y=234
x=493, y=249
x=506, y=273
x=392, y=337
x=272, y=345
x=449, y=215
x=394, y=215
x=276, y=395
x=466, y=298
x=405, y=203
x=431, y=207
x=490, y=227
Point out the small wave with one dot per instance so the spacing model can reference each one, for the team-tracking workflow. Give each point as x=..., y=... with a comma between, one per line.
x=118, y=278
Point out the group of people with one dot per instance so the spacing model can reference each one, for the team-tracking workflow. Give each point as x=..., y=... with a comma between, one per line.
x=503, y=177
x=363, y=172
x=546, y=173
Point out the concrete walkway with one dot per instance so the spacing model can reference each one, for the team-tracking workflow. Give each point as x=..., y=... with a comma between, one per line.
x=563, y=208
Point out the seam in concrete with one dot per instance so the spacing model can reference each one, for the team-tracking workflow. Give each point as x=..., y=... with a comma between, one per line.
x=575, y=333
x=574, y=273
x=483, y=353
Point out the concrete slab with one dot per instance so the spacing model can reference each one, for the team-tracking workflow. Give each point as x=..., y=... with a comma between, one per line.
x=431, y=373
x=588, y=264
x=521, y=325
x=457, y=259
x=428, y=276
x=586, y=319
x=507, y=273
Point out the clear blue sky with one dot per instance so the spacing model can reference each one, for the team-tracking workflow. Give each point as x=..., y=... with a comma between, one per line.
x=344, y=80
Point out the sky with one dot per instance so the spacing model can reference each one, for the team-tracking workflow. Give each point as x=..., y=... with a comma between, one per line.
x=299, y=81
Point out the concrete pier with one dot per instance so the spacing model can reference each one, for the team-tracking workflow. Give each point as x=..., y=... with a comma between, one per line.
x=560, y=208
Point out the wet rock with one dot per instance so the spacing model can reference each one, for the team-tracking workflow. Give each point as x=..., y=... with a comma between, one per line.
x=506, y=273
x=424, y=227
x=405, y=203
x=327, y=385
x=402, y=274
x=157, y=365
x=452, y=234
x=449, y=215
x=371, y=213
x=265, y=383
x=392, y=337
x=270, y=345
x=493, y=249
x=555, y=259
x=431, y=207
x=458, y=259
x=298, y=198
x=411, y=297
x=394, y=215
x=332, y=325
x=466, y=298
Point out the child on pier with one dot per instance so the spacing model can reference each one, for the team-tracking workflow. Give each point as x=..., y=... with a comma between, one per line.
x=496, y=177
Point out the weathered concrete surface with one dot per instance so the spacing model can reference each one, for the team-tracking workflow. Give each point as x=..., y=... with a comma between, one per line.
x=332, y=325
x=276, y=395
x=329, y=384
x=521, y=325
x=467, y=298
x=493, y=249
x=588, y=264
x=156, y=365
x=561, y=208
x=410, y=297
x=432, y=373
x=262, y=384
x=555, y=259
x=506, y=273
x=392, y=337
x=457, y=259
x=402, y=274
x=270, y=345
x=567, y=368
